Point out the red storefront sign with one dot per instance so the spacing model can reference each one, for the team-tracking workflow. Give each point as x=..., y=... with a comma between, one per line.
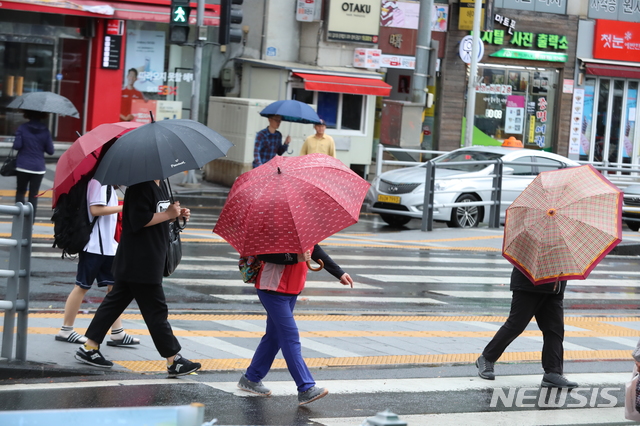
x=617, y=40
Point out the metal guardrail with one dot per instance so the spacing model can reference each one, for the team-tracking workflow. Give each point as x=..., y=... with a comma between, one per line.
x=619, y=176
x=16, y=302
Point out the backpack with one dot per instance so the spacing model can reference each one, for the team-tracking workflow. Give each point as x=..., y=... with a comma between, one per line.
x=249, y=268
x=71, y=226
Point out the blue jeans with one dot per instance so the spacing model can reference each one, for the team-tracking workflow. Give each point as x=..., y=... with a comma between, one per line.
x=282, y=333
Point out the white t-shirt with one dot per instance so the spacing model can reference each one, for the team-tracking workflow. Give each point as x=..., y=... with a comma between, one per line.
x=105, y=226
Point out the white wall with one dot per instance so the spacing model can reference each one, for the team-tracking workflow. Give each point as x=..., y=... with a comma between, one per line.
x=282, y=31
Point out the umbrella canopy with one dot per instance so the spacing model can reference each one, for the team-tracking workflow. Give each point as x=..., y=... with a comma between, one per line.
x=294, y=111
x=158, y=150
x=45, y=102
x=289, y=204
x=82, y=156
x=563, y=224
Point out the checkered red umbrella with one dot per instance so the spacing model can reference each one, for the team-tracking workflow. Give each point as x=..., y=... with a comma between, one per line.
x=289, y=204
x=563, y=224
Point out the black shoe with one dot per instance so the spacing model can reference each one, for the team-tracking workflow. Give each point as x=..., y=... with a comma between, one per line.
x=555, y=380
x=92, y=357
x=182, y=366
x=485, y=368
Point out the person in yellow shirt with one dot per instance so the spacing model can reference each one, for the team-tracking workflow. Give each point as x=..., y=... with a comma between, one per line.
x=320, y=142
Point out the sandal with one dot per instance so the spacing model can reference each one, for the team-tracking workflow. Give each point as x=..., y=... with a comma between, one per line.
x=125, y=341
x=73, y=338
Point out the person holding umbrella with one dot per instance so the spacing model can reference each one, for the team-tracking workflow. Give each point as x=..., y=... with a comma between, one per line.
x=268, y=142
x=32, y=141
x=280, y=280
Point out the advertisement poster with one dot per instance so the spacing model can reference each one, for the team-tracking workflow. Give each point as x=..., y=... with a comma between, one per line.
x=406, y=14
x=578, y=143
x=145, y=54
x=161, y=110
x=630, y=125
x=514, y=123
x=585, y=123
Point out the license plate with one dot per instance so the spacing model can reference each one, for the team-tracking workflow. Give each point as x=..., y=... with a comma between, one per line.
x=389, y=199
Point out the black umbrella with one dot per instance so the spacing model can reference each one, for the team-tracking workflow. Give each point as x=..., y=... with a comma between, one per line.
x=45, y=102
x=158, y=150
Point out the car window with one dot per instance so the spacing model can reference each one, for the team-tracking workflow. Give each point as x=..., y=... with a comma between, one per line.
x=546, y=164
x=470, y=156
x=522, y=169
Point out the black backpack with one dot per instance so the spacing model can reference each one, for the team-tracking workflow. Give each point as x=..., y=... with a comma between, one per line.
x=71, y=226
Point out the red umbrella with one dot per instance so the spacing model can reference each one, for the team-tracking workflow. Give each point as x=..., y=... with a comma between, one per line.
x=82, y=156
x=563, y=224
x=289, y=204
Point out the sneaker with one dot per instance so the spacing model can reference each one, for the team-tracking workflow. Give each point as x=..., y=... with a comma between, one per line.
x=92, y=357
x=182, y=366
x=485, y=368
x=253, y=387
x=555, y=380
x=311, y=395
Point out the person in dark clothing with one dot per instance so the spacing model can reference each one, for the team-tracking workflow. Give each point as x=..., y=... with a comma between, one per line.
x=280, y=280
x=545, y=302
x=32, y=140
x=268, y=142
x=138, y=267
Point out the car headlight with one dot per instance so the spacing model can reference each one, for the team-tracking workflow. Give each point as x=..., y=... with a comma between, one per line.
x=443, y=185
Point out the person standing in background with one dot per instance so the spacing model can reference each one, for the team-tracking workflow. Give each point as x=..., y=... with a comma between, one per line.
x=32, y=141
x=320, y=142
x=129, y=93
x=268, y=142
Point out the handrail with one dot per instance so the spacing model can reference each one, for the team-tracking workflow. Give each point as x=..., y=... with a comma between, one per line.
x=16, y=302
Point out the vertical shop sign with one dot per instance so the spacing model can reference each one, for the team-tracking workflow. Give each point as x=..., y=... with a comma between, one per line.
x=514, y=122
x=541, y=122
x=112, y=44
x=577, y=140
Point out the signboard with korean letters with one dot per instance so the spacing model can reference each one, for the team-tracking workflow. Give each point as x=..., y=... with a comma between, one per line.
x=615, y=10
x=367, y=58
x=547, y=6
x=615, y=41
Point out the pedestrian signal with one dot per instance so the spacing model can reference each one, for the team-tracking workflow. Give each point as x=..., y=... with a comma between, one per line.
x=179, y=21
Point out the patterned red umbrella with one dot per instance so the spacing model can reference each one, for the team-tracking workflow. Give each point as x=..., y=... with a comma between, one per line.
x=82, y=156
x=563, y=224
x=289, y=204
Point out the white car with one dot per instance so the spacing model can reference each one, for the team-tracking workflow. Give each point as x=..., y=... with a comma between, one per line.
x=398, y=195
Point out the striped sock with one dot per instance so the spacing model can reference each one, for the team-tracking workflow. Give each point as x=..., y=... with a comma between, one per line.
x=117, y=331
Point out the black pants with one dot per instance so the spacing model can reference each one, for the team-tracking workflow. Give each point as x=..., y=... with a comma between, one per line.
x=31, y=181
x=153, y=306
x=549, y=313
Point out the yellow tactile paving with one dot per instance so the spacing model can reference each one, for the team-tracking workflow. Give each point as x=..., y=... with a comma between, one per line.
x=241, y=364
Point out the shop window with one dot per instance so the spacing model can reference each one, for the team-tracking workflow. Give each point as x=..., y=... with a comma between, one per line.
x=518, y=102
x=341, y=111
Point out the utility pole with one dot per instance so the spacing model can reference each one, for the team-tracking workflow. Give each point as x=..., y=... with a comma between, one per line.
x=473, y=72
x=423, y=47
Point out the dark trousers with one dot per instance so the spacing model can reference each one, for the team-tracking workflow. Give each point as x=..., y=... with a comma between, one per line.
x=31, y=181
x=282, y=334
x=549, y=313
x=153, y=307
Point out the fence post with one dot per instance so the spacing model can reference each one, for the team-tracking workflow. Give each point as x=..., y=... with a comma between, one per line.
x=496, y=195
x=379, y=159
x=25, y=282
x=427, y=206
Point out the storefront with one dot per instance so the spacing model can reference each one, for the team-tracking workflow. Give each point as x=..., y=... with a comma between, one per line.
x=606, y=131
x=113, y=61
x=524, y=82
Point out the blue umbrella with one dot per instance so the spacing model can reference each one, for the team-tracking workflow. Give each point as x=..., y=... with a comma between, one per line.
x=294, y=111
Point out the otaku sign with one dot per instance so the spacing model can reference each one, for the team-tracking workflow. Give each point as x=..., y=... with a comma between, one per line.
x=615, y=41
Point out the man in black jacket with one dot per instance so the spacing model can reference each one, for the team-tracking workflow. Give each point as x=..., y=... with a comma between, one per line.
x=545, y=303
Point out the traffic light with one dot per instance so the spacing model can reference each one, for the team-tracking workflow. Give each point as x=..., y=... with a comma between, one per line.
x=179, y=22
x=230, y=15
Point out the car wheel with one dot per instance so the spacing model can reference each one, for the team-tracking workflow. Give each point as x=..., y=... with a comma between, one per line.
x=634, y=226
x=395, y=220
x=466, y=217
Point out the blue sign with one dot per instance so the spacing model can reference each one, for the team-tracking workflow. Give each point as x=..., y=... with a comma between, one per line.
x=59, y=76
x=271, y=51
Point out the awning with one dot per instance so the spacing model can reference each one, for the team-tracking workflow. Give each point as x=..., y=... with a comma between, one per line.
x=612, y=68
x=126, y=10
x=339, y=84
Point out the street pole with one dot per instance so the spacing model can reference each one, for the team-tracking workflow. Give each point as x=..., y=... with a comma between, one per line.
x=190, y=177
x=473, y=72
x=423, y=47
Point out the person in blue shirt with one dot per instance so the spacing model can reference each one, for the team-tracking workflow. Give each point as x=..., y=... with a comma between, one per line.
x=32, y=141
x=269, y=142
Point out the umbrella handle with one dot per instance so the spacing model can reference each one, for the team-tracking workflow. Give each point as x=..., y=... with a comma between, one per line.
x=319, y=268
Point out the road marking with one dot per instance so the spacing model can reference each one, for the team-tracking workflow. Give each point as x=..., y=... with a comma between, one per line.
x=568, y=295
x=238, y=283
x=570, y=416
x=429, y=279
x=96, y=384
x=338, y=299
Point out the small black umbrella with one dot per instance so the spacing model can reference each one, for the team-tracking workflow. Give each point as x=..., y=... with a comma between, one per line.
x=158, y=150
x=45, y=102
